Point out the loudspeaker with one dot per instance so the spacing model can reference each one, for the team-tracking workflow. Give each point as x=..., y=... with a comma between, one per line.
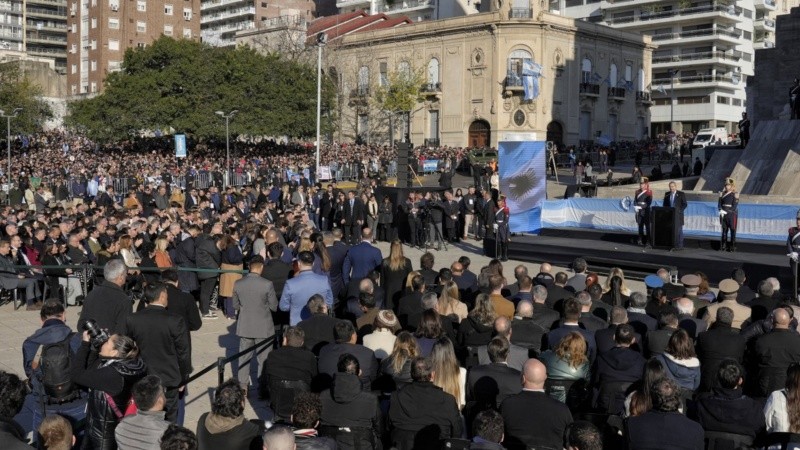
x=404, y=175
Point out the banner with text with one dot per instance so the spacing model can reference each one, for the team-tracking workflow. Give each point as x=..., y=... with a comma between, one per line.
x=180, y=146
x=523, y=180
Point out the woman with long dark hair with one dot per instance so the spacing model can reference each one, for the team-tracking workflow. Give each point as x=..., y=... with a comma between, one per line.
x=615, y=295
x=109, y=372
x=782, y=411
x=640, y=400
x=394, y=271
x=680, y=361
x=428, y=331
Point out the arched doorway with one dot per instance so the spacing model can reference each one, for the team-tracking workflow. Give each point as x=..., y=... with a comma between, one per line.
x=479, y=134
x=555, y=133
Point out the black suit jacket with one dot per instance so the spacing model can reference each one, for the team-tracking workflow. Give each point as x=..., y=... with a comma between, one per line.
x=533, y=420
x=163, y=342
x=546, y=317
x=318, y=330
x=357, y=212
x=184, y=305
x=680, y=204
x=329, y=358
x=555, y=294
x=714, y=346
x=488, y=385
x=663, y=430
x=337, y=253
x=408, y=307
x=605, y=340
x=528, y=333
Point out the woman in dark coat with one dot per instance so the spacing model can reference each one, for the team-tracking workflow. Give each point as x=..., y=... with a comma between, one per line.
x=394, y=271
x=109, y=372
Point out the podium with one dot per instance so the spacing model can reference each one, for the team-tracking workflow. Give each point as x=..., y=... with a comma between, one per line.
x=664, y=227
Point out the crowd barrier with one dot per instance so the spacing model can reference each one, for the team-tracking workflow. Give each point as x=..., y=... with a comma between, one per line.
x=701, y=219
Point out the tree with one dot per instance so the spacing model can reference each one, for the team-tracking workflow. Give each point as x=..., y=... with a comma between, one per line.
x=400, y=95
x=179, y=84
x=18, y=91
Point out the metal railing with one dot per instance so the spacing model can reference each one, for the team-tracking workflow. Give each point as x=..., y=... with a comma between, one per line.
x=696, y=79
x=521, y=13
x=224, y=361
x=432, y=87
x=730, y=10
x=736, y=56
x=589, y=88
x=710, y=32
x=642, y=96
x=616, y=92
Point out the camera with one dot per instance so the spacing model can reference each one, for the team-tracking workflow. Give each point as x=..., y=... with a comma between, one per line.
x=98, y=336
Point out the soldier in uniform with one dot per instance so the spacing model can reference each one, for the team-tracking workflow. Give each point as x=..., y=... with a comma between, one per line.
x=500, y=225
x=793, y=247
x=641, y=205
x=728, y=214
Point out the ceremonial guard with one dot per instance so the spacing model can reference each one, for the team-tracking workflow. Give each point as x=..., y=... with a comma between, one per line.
x=641, y=206
x=728, y=214
x=793, y=247
x=501, y=230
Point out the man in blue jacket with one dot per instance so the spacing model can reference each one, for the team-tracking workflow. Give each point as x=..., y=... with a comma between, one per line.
x=361, y=259
x=301, y=287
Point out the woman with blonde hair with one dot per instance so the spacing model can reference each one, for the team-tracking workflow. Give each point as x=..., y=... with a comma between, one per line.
x=126, y=251
x=616, y=272
x=449, y=376
x=704, y=291
x=477, y=328
x=398, y=365
x=567, y=365
x=394, y=271
x=162, y=258
x=450, y=303
x=409, y=277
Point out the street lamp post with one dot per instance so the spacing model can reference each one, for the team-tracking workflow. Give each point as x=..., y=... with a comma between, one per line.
x=672, y=74
x=227, y=117
x=8, y=118
x=322, y=38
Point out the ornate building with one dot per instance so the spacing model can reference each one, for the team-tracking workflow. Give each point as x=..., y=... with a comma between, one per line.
x=473, y=70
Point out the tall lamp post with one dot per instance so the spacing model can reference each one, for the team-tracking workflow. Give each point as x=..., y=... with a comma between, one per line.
x=672, y=74
x=227, y=117
x=8, y=118
x=322, y=39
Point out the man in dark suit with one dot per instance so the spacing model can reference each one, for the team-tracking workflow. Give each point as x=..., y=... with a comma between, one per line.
x=163, y=341
x=765, y=303
x=533, y=419
x=469, y=277
x=657, y=340
x=775, y=352
x=467, y=286
x=337, y=252
x=451, y=211
x=528, y=332
x=664, y=426
x=719, y=343
x=181, y=303
x=361, y=259
x=107, y=303
x=617, y=369
x=637, y=314
x=605, y=338
x=277, y=272
x=346, y=338
x=290, y=364
x=254, y=300
x=354, y=216
x=409, y=308
x=516, y=357
x=318, y=328
x=744, y=295
x=588, y=320
x=491, y=383
x=577, y=282
x=688, y=321
x=676, y=200
x=572, y=315
x=558, y=292
x=546, y=317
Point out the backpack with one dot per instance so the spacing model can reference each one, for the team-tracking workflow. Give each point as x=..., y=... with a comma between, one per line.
x=55, y=365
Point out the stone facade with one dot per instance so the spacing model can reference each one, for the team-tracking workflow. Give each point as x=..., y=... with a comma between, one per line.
x=471, y=97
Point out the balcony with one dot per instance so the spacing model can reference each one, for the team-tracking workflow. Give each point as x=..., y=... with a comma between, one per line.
x=48, y=2
x=513, y=83
x=50, y=52
x=351, y=3
x=10, y=7
x=696, y=81
x=731, y=35
x=432, y=89
x=616, y=93
x=521, y=13
x=696, y=59
x=763, y=43
x=206, y=6
x=431, y=142
x=699, y=12
x=56, y=13
x=643, y=98
x=768, y=5
x=625, y=4
x=589, y=90
x=764, y=24
x=359, y=96
x=398, y=7
x=228, y=14
x=288, y=22
x=50, y=40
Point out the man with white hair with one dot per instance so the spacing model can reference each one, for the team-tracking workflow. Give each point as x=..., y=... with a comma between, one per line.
x=686, y=319
x=107, y=303
x=589, y=320
x=279, y=438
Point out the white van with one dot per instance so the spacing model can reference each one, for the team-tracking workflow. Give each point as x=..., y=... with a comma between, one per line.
x=710, y=136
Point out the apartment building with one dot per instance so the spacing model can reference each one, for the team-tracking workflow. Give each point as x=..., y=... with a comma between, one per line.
x=705, y=53
x=416, y=10
x=46, y=30
x=12, y=36
x=100, y=31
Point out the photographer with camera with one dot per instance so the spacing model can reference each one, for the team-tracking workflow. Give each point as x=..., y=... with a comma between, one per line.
x=108, y=366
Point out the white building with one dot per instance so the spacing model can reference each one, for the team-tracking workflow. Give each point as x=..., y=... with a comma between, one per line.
x=704, y=56
x=416, y=10
x=11, y=23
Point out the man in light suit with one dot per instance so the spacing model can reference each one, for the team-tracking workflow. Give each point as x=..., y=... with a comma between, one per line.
x=302, y=287
x=361, y=259
x=677, y=200
x=254, y=300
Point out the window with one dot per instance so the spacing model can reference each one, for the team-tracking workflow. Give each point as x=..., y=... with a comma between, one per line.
x=661, y=101
x=168, y=10
x=586, y=71
x=94, y=86
x=114, y=66
x=723, y=100
x=515, y=60
x=74, y=69
x=363, y=79
x=73, y=48
x=263, y=4
x=694, y=100
x=187, y=33
x=404, y=70
x=74, y=27
x=167, y=30
x=434, y=125
x=433, y=73
x=93, y=45
x=612, y=75
x=187, y=13
x=141, y=27
x=74, y=89
x=113, y=44
x=84, y=88
x=384, y=77
x=94, y=22
x=628, y=72
x=141, y=6
x=114, y=5
x=737, y=102
x=141, y=45
x=93, y=66
x=640, y=78
x=747, y=35
x=113, y=24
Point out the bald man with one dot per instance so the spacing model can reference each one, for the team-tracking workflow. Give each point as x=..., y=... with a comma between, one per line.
x=545, y=276
x=517, y=355
x=279, y=438
x=776, y=351
x=532, y=418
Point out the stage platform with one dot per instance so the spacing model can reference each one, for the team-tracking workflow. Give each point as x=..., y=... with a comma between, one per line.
x=603, y=250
